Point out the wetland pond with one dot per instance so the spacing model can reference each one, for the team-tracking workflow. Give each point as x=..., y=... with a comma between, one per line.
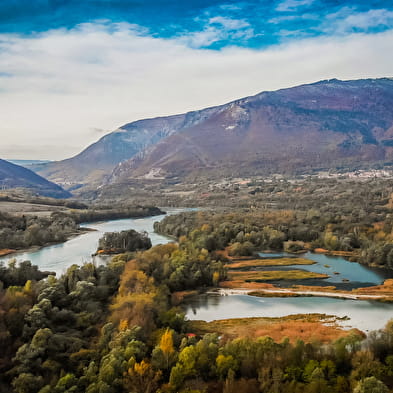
x=342, y=273
x=363, y=314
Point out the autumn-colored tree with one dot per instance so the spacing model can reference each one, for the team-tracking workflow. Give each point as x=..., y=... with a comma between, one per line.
x=142, y=378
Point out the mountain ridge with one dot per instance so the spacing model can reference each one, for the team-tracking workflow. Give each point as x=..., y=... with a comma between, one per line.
x=16, y=176
x=313, y=125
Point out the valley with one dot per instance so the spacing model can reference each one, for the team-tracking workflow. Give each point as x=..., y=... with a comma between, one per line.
x=276, y=242
x=196, y=196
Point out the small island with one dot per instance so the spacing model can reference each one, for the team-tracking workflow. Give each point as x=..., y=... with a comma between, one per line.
x=124, y=241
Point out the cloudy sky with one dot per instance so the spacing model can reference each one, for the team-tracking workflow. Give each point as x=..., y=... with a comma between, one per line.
x=72, y=70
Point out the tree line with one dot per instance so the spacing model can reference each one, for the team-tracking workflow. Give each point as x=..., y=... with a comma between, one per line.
x=244, y=232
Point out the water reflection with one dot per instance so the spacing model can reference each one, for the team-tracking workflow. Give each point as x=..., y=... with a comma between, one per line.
x=57, y=258
x=342, y=273
x=364, y=315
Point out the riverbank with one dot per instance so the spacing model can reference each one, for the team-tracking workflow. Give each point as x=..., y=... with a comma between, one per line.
x=6, y=251
x=278, y=292
x=14, y=253
x=383, y=293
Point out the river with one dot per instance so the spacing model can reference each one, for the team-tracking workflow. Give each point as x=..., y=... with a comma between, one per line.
x=78, y=250
x=365, y=315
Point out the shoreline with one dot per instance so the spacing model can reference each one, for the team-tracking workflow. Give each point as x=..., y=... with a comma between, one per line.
x=289, y=292
x=14, y=253
x=82, y=230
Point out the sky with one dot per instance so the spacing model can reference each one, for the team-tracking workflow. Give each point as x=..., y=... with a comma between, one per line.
x=72, y=71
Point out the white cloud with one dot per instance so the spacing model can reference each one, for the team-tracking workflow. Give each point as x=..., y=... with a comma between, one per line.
x=218, y=28
x=294, y=17
x=229, y=23
x=292, y=5
x=347, y=19
x=65, y=83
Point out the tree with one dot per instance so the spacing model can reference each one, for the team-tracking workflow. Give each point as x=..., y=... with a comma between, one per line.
x=370, y=385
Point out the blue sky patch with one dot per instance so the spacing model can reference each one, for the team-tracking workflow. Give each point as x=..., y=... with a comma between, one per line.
x=212, y=24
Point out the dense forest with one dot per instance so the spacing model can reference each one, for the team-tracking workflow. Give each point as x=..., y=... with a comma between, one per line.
x=369, y=238
x=25, y=231
x=116, y=328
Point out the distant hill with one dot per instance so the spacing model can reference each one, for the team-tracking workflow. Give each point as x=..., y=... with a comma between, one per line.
x=16, y=176
x=28, y=163
x=323, y=125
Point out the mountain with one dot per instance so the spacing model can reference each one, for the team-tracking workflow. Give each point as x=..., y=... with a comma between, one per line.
x=99, y=159
x=15, y=176
x=322, y=125
x=318, y=126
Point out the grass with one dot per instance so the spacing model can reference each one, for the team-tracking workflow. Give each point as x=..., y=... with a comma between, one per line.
x=258, y=276
x=269, y=262
x=276, y=294
x=306, y=327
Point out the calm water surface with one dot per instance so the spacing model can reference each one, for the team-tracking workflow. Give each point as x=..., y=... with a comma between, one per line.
x=357, y=275
x=364, y=315
x=57, y=258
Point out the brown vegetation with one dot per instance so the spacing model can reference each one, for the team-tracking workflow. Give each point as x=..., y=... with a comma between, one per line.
x=273, y=275
x=306, y=327
x=385, y=289
x=6, y=251
x=240, y=284
x=179, y=296
x=270, y=262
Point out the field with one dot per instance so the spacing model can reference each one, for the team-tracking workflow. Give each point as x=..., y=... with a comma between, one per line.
x=29, y=208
